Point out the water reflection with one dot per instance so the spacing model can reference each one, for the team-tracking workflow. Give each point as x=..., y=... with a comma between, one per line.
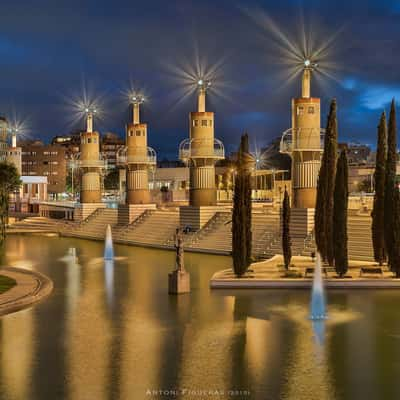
x=110, y=331
x=109, y=281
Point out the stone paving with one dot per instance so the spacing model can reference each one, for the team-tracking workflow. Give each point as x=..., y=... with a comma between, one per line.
x=270, y=274
x=31, y=288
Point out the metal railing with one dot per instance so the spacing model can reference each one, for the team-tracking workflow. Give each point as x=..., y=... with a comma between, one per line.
x=201, y=148
x=287, y=144
x=149, y=158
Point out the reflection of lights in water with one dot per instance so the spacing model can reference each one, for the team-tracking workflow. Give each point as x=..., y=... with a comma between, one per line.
x=24, y=264
x=109, y=280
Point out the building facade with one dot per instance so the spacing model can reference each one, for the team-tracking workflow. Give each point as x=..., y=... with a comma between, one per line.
x=50, y=161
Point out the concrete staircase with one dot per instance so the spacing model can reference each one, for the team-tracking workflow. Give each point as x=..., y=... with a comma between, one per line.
x=359, y=238
x=154, y=227
x=94, y=226
x=36, y=224
x=216, y=236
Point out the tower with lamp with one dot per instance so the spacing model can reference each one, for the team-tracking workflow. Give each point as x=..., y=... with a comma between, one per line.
x=200, y=152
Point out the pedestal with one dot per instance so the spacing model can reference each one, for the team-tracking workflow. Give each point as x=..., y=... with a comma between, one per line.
x=83, y=210
x=127, y=213
x=178, y=282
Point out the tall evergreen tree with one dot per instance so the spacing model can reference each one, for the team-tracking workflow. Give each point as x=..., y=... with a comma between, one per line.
x=325, y=188
x=390, y=185
x=378, y=212
x=9, y=183
x=286, y=241
x=241, y=214
x=341, y=194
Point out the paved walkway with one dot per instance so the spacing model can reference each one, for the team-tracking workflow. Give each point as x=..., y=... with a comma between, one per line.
x=269, y=274
x=31, y=287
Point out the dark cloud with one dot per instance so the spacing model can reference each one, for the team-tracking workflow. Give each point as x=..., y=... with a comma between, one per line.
x=48, y=48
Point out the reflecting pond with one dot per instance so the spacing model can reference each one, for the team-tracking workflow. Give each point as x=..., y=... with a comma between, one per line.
x=113, y=332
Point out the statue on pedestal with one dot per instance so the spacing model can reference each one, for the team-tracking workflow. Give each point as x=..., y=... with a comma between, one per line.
x=179, y=279
x=179, y=263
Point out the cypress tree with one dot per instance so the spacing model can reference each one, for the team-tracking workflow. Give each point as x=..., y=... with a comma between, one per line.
x=241, y=214
x=390, y=183
x=378, y=213
x=286, y=241
x=341, y=194
x=325, y=187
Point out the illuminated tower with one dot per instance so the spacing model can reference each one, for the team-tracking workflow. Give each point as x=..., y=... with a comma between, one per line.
x=139, y=158
x=90, y=162
x=14, y=154
x=200, y=152
x=303, y=143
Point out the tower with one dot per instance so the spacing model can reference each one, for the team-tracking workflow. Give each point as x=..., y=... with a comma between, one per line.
x=90, y=162
x=200, y=152
x=136, y=158
x=14, y=153
x=139, y=158
x=303, y=143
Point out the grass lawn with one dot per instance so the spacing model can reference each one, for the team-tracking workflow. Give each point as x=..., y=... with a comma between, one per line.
x=6, y=283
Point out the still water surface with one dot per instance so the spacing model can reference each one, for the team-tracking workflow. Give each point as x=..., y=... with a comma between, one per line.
x=112, y=332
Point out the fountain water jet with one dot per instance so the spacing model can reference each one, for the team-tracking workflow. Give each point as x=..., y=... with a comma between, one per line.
x=108, y=245
x=318, y=308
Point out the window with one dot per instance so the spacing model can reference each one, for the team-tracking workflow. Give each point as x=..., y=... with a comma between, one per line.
x=137, y=133
x=203, y=122
x=89, y=140
x=195, y=122
x=311, y=110
x=210, y=123
x=54, y=153
x=300, y=110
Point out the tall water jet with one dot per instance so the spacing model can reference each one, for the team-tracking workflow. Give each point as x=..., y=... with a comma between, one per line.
x=318, y=308
x=108, y=245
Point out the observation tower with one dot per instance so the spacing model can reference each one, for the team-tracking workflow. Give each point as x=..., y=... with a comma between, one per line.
x=200, y=152
x=138, y=159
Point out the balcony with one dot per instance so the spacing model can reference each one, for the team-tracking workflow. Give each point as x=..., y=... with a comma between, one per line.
x=150, y=158
x=291, y=140
x=201, y=148
x=76, y=162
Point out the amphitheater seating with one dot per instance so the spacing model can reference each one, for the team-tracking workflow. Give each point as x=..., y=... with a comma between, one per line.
x=37, y=224
x=155, y=228
x=94, y=226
